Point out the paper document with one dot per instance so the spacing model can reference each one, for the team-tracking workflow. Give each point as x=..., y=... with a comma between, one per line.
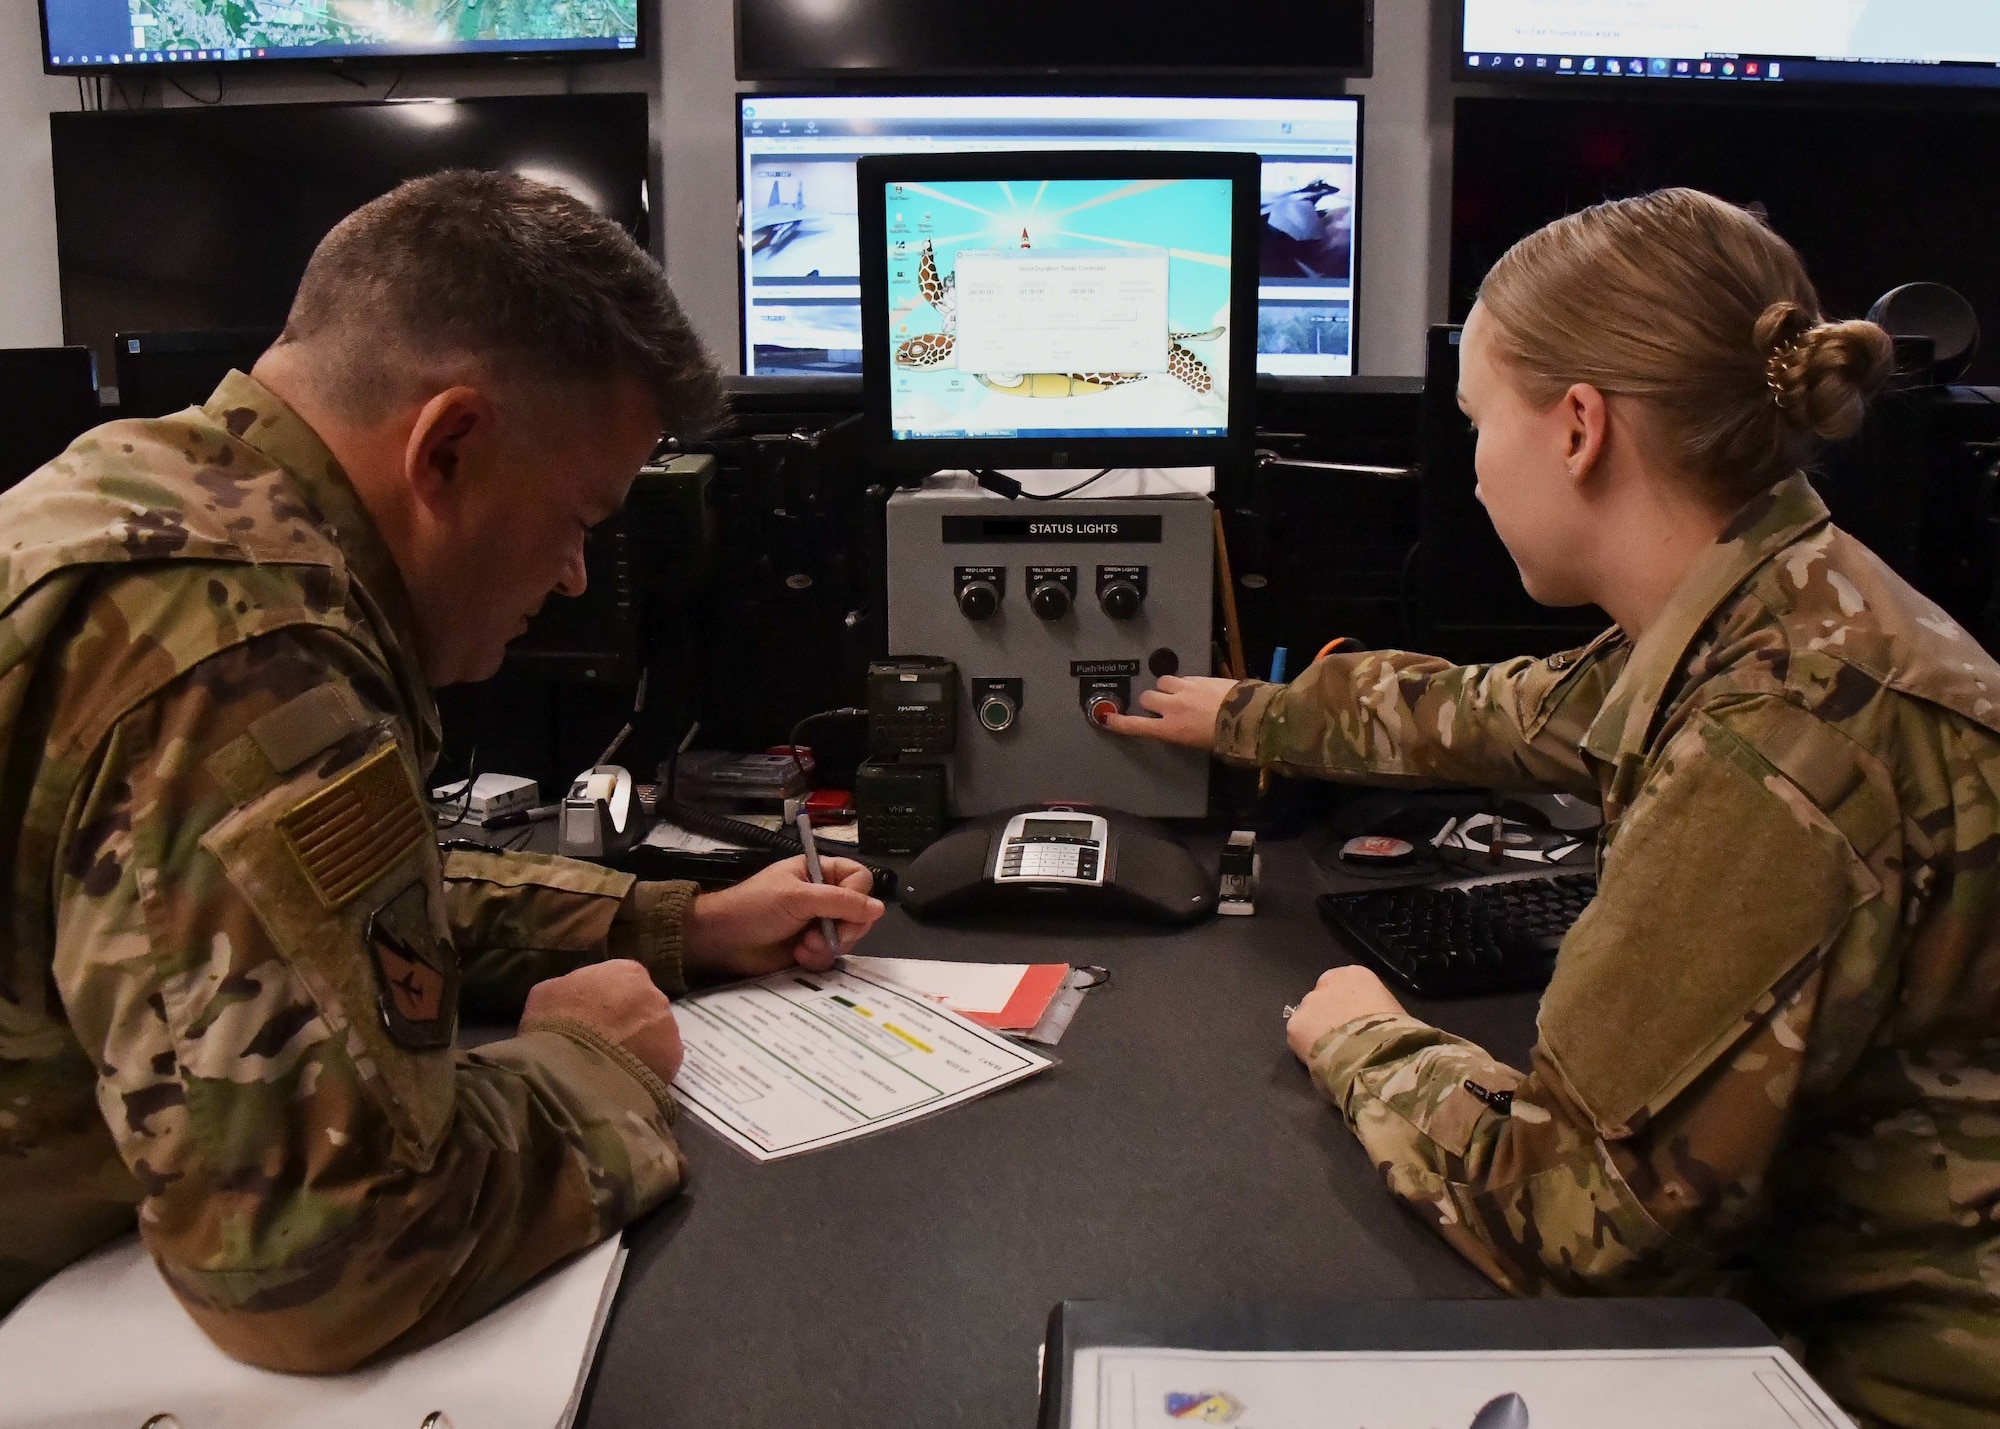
x=1761, y=1388
x=1008, y=997
x=801, y=1060
x=105, y=1345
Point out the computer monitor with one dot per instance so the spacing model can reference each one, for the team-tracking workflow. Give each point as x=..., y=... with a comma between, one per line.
x=48, y=398
x=800, y=266
x=786, y=39
x=160, y=373
x=1744, y=46
x=102, y=36
x=1872, y=196
x=1058, y=309
x=159, y=227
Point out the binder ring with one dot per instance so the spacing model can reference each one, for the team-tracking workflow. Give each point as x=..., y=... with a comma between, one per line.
x=436, y=1419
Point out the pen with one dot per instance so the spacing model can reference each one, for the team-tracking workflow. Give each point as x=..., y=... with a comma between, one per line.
x=817, y=875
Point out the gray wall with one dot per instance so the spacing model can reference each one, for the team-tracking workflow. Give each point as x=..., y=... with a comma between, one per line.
x=691, y=78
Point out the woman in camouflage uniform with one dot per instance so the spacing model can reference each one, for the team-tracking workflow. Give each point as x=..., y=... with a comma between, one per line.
x=1769, y=1061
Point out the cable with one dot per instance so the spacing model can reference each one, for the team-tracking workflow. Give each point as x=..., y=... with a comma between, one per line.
x=1403, y=609
x=465, y=802
x=1002, y=484
x=1068, y=490
x=195, y=97
x=844, y=712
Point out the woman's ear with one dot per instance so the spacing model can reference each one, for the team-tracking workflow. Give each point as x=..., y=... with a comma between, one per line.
x=453, y=424
x=1587, y=422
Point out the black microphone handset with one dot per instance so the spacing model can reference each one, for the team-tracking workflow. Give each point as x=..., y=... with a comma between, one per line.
x=1060, y=858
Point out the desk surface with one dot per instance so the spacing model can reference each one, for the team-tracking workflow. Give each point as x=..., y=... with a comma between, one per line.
x=1176, y=1151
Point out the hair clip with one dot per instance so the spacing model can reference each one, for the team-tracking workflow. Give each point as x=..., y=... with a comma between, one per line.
x=1776, y=369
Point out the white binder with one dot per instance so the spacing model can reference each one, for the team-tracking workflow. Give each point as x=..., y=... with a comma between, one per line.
x=104, y=1345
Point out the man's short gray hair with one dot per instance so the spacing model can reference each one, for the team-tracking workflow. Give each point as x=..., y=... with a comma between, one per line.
x=517, y=275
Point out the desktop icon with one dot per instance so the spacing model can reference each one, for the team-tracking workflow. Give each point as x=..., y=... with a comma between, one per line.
x=1680, y=67
x=1658, y=67
x=1751, y=68
x=1729, y=69
x=1776, y=71
x=1590, y=64
x=1611, y=67
x=1707, y=67
x=1519, y=61
x=1472, y=61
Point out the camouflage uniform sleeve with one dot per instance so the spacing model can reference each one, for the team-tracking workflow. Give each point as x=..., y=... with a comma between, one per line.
x=1631, y=1157
x=518, y=918
x=1390, y=717
x=253, y=952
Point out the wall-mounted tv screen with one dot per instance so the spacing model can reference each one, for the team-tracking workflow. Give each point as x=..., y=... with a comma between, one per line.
x=202, y=219
x=100, y=35
x=1928, y=42
x=811, y=39
x=801, y=264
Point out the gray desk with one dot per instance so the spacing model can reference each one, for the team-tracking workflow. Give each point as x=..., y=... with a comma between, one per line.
x=1177, y=1151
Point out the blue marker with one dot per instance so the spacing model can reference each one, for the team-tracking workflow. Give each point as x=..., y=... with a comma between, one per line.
x=1278, y=664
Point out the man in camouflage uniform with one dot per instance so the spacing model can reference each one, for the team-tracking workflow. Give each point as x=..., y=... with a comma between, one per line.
x=231, y=956
x=1769, y=1060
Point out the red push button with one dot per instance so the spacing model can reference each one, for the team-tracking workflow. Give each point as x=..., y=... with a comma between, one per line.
x=1103, y=707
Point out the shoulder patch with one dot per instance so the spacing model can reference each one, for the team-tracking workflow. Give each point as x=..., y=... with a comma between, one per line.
x=349, y=833
x=416, y=972
x=317, y=720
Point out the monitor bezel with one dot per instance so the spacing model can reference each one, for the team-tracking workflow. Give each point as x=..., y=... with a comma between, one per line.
x=341, y=64
x=1354, y=305
x=1883, y=77
x=921, y=456
x=976, y=74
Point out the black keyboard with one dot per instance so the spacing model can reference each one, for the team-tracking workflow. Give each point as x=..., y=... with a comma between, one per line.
x=1456, y=942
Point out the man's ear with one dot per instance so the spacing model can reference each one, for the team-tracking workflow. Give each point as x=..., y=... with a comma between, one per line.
x=1587, y=418
x=453, y=430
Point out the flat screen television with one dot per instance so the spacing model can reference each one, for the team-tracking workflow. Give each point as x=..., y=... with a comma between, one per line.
x=1058, y=310
x=100, y=36
x=202, y=219
x=800, y=264
x=1748, y=46
x=811, y=39
x=1872, y=196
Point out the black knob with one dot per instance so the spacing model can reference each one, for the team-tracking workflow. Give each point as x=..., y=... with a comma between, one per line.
x=1049, y=600
x=1120, y=600
x=978, y=599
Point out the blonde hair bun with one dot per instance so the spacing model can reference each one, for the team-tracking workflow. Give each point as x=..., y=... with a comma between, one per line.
x=1696, y=308
x=1822, y=374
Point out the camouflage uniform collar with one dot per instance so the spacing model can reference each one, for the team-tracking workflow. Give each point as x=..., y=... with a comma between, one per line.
x=1769, y=523
x=258, y=418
